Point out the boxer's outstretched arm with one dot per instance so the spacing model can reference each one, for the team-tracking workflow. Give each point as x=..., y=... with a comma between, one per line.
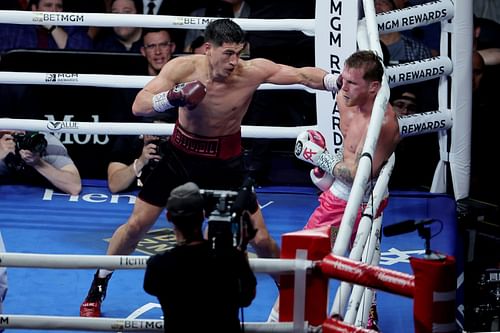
x=312, y=77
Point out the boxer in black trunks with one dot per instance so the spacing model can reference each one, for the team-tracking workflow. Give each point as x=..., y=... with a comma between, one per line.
x=213, y=92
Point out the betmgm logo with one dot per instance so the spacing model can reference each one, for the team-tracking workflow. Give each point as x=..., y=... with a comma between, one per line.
x=61, y=77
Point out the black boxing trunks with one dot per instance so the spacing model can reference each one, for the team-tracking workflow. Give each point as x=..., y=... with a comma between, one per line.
x=221, y=147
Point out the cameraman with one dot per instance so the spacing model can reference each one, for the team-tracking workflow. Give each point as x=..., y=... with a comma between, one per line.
x=46, y=166
x=199, y=290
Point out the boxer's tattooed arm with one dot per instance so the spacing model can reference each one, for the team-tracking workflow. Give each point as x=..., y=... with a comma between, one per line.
x=344, y=172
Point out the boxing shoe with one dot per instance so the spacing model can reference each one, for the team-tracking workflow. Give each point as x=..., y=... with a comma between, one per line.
x=91, y=306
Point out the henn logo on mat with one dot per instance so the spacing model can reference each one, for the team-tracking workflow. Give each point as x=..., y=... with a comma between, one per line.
x=156, y=241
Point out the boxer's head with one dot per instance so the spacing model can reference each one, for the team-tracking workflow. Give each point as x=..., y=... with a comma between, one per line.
x=224, y=43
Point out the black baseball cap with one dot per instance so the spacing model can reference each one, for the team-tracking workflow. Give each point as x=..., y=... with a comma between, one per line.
x=185, y=200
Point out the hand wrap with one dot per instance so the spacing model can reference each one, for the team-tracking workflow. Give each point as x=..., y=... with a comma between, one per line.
x=332, y=82
x=187, y=94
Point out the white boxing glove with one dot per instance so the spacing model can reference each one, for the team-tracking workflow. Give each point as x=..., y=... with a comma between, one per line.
x=309, y=146
x=323, y=180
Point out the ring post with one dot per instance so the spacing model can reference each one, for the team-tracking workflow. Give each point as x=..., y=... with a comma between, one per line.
x=435, y=293
x=318, y=245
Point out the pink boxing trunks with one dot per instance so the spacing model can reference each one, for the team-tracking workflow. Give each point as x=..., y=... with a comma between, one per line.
x=221, y=147
x=331, y=209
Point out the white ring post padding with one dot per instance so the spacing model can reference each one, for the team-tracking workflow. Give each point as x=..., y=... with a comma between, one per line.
x=114, y=324
x=105, y=80
x=365, y=237
x=363, y=172
x=299, y=287
x=76, y=127
x=77, y=261
x=419, y=71
x=415, y=16
x=148, y=21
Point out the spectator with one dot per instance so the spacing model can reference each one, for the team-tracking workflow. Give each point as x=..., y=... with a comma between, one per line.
x=38, y=159
x=132, y=160
x=489, y=9
x=157, y=47
x=401, y=48
x=121, y=39
x=404, y=101
x=219, y=8
x=197, y=46
x=478, y=64
x=175, y=276
x=45, y=36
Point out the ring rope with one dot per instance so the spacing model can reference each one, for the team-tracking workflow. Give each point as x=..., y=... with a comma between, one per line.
x=36, y=322
x=70, y=261
x=78, y=127
x=148, y=21
x=415, y=16
x=413, y=72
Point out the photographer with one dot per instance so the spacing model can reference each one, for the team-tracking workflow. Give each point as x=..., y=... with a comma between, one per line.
x=37, y=159
x=132, y=160
x=199, y=289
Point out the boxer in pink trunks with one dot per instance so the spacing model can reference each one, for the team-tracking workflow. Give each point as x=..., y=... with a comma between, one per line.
x=334, y=173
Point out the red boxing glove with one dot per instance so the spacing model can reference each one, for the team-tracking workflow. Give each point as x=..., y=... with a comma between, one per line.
x=187, y=94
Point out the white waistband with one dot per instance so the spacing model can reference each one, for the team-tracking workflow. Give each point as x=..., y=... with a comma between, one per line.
x=342, y=190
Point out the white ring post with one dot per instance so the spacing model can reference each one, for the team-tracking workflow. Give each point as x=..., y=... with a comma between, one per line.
x=461, y=106
x=336, y=25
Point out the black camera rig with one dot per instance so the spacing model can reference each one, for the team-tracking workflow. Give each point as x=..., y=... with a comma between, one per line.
x=228, y=214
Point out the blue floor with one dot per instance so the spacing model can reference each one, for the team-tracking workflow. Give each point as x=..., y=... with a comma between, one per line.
x=34, y=220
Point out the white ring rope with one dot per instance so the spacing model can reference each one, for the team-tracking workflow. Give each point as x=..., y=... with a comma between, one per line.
x=77, y=127
x=409, y=125
x=104, y=80
x=415, y=16
x=412, y=72
x=148, y=21
x=117, y=324
x=75, y=261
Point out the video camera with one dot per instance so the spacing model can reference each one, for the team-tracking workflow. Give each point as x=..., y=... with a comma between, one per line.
x=228, y=214
x=32, y=141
